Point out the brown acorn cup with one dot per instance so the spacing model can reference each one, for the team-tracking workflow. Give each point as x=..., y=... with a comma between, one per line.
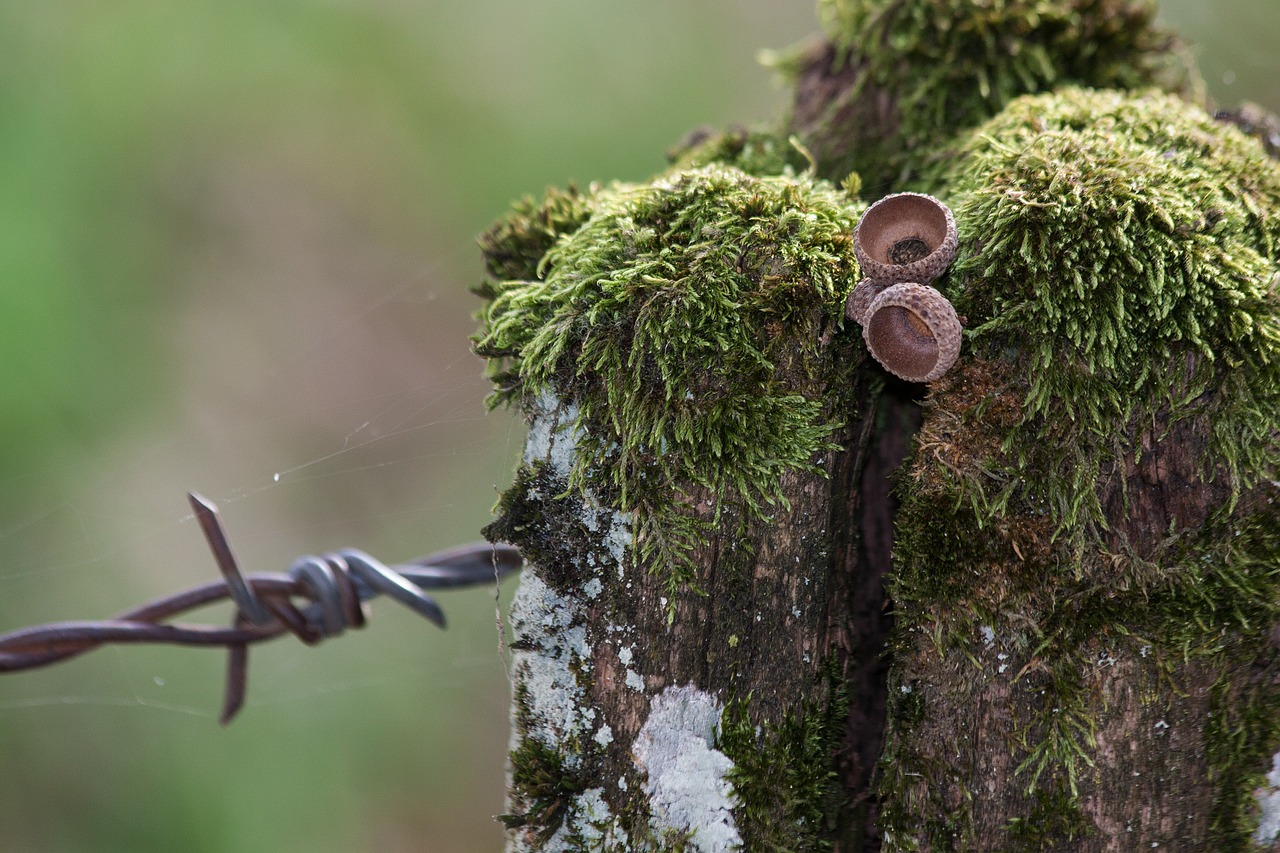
x=906, y=237
x=855, y=308
x=913, y=331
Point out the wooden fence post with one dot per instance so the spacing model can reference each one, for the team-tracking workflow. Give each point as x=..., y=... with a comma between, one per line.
x=780, y=600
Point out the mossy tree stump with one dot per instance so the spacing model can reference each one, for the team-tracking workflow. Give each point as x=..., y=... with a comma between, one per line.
x=780, y=600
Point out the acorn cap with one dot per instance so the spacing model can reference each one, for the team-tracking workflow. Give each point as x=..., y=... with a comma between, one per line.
x=906, y=237
x=913, y=331
x=855, y=307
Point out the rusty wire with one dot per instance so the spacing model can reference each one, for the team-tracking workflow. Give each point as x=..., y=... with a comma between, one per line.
x=332, y=589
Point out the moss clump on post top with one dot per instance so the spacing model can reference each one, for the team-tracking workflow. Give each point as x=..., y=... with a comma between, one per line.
x=669, y=317
x=514, y=246
x=756, y=152
x=1124, y=248
x=950, y=59
x=926, y=70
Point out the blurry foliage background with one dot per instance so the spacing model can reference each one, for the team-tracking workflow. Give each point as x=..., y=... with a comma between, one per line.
x=235, y=242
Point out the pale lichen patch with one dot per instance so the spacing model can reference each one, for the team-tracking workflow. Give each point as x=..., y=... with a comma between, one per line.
x=588, y=825
x=619, y=537
x=553, y=434
x=1269, y=804
x=687, y=782
x=549, y=626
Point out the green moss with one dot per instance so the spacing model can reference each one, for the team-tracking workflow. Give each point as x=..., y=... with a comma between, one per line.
x=1123, y=249
x=1118, y=275
x=948, y=65
x=1059, y=744
x=543, y=785
x=1242, y=733
x=1222, y=610
x=789, y=793
x=1254, y=121
x=1204, y=604
x=756, y=152
x=1054, y=819
x=515, y=244
x=968, y=58
x=688, y=320
x=1226, y=582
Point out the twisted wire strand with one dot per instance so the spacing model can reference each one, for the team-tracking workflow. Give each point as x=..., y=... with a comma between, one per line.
x=330, y=592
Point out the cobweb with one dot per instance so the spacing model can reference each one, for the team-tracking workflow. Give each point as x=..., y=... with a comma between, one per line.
x=359, y=422
x=324, y=395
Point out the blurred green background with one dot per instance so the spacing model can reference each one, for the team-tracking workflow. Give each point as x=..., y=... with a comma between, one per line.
x=235, y=245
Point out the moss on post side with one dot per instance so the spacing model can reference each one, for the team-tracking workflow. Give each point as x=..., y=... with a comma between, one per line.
x=759, y=152
x=1092, y=514
x=680, y=350
x=515, y=245
x=790, y=798
x=952, y=59
x=1086, y=569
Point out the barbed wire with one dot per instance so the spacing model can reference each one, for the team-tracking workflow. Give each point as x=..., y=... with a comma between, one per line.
x=331, y=591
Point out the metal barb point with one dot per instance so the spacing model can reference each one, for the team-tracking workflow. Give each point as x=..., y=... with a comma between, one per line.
x=384, y=580
x=207, y=514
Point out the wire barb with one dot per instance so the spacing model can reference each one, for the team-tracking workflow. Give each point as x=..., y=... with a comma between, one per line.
x=331, y=591
x=207, y=514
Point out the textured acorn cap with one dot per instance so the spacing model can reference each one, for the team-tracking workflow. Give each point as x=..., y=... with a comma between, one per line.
x=906, y=237
x=855, y=307
x=913, y=331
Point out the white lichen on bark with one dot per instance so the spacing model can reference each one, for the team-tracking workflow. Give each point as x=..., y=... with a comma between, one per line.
x=553, y=435
x=1269, y=805
x=687, y=777
x=552, y=634
x=552, y=654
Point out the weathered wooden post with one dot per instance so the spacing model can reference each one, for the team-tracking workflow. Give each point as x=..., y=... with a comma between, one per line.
x=748, y=623
x=681, y=634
